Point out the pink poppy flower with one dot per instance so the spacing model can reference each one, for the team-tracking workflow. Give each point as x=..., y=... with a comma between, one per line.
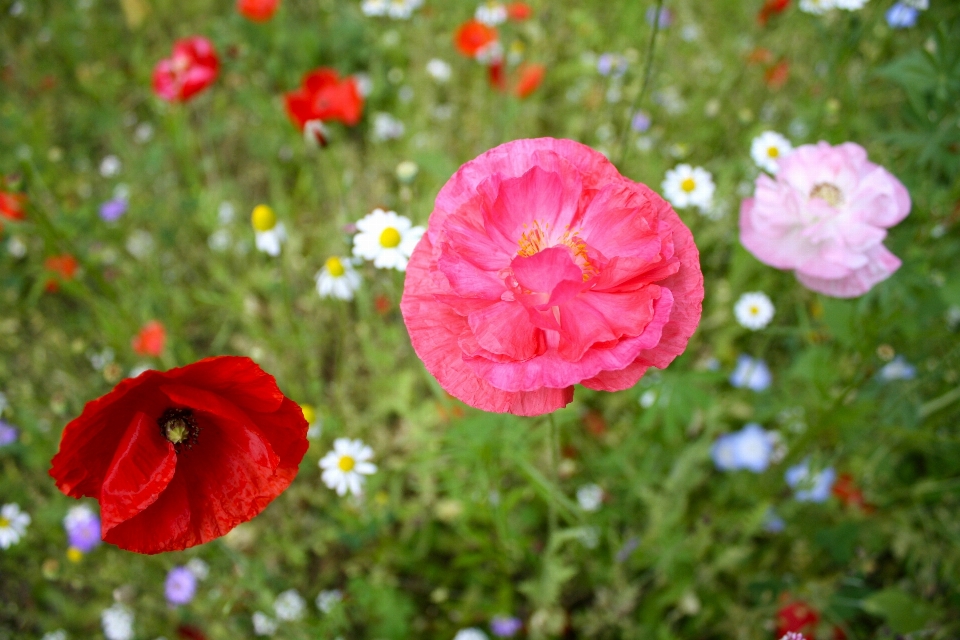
x=541, y=268
x=192, y=68
x=825, y=216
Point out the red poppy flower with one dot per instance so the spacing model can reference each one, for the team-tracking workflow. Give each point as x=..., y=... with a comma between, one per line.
x=847, y=492
x=257, y=10
x=797, y=616
x=473, y=37
x=63, y=267
x=519, y=11
x=188, y=632
x=192, y=68
x=760, y=56
x=181, y=457
x=777, y=75
x=531, y=75
x=11, y=205
x=325, y=96
x=595, y=423
x=497, y=76
x=150, y=340
x=771, y=8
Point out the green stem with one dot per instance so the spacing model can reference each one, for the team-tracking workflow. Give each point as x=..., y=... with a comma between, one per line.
x=937, y=404
x=553, y=445
x=626, y=137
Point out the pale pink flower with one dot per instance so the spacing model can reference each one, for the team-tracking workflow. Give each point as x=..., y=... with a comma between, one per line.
x=825, y=216
x=542, y=267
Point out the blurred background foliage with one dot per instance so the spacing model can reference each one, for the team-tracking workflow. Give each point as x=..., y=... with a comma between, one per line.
x=455, y=527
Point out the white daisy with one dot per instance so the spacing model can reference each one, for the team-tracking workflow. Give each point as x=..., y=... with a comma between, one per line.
x=768, y=148
x=402, y=9
x=289, y=605
x=337, y=279
x=263, y=625
x=754, y=310
x=345, y=466
x=59, y=634
x=491, y=13
x=386, y=238
x=327, y=600
x=817, y=6
x=386, y=127
x=590, y=497
x=270, y=234
x=686, y=186
x=439, y=70
x=850, y=5
x=374, y=7
x=117, y=623
x=470, y=633
x=13, y=525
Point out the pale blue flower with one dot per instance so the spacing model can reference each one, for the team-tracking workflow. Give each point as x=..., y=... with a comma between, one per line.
x=810, y=488
x=898, y=369
x=902, y=16
x=751, y=374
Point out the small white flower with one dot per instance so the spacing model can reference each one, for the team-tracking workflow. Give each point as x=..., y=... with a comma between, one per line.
x=143, y=132
x=817, y=6
x=289, y=605
x=590, y=497
x=138, y=369
x=402, y=9
x=117, y=623
x=439, y=70
x=491, y=14
x=344, y=468
x=198, y=568
x=219, y=240
x=470, y=633
x=686, y=186
x=754, y=310
x=386, y=238
x=263, y=625
x=850, y=5
x=922, y=5
x=327, y=600
x=768, y=149
x=386, y=127
x=140, y=244
x=13, y=525
x=16, y=247
x=271, y=240
x=59, y=634
x=374, y=7
x=3, y=402
x=337, y=279
x=78, y=515
x=110, y=166
x=364, y=84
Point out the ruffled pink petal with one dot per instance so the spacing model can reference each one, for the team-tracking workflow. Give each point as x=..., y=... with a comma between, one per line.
x=620, y=221
x=602, y=317
x=881, y=264
x=617, y=380
x=434, y=332
x=505, y=329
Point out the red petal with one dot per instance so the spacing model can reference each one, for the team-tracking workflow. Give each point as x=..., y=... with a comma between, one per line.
x=142, y=467
x=240, y=379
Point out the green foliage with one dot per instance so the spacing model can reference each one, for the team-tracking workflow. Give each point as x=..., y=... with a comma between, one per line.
x=471, y=515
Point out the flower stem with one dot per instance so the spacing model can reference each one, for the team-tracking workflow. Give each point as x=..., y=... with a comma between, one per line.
x=553, y=446
x=626, y=134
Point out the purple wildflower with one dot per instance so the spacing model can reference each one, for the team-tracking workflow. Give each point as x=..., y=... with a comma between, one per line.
x=181, y=586
x=83, y=528
x=505, y=626
x=666, y=18
x=111, y=210
x=629, y=546
x=641, y=121
x=8, y=434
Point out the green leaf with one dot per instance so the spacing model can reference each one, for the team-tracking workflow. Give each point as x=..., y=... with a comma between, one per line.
x=903, y=612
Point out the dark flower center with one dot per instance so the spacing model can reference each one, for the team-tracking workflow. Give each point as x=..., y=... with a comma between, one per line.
x=179, y=427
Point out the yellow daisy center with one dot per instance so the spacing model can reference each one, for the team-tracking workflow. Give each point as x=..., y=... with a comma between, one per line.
x=335, y=267
x=773, y=152
x=4, y=523
x=74, y=554
x=263, y=218
x=688, y=185
x=347, y=463
x=390, y=238
x=754, y=310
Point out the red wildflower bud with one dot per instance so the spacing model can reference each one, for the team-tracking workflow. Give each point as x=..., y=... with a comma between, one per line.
x=531, y=75
x=324, y=96
x=519, y=11
x=150, y=340
x=257, y=10
x=473, y=37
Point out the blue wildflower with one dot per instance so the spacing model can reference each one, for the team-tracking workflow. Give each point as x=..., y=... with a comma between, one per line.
x=505, y=626
x=112, y=210
x=902, y=16
x=8, y=434
x=641, y=121
x=751, y=448
x=898, y=369
x=751, y=374
x=810, y=487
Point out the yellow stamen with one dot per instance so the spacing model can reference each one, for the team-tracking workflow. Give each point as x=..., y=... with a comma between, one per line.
x=346, y=463
x=390, y=238
x=688, y=185
x=773, y=152
x=263, y=218
x=754, y=310
x=4, y=523
x=829, y=193
x=74, y=554
x=335, y=267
